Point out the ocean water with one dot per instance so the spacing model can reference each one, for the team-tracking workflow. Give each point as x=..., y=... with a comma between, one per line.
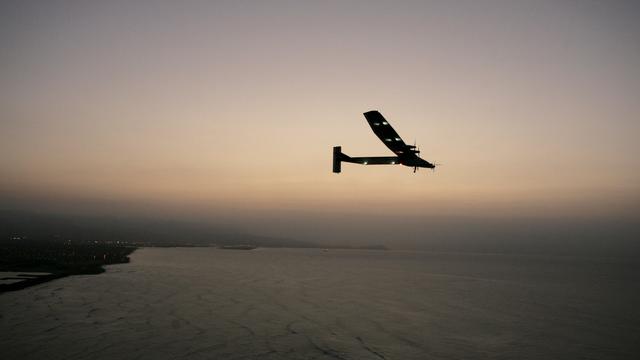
x=205, y=303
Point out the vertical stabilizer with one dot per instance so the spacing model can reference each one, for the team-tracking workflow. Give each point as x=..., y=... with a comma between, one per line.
x=337, y=161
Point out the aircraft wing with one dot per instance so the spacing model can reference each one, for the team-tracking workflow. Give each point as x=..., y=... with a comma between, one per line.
x=385, y=132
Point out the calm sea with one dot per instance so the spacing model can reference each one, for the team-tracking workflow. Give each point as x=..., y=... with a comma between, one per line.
x=204, y=303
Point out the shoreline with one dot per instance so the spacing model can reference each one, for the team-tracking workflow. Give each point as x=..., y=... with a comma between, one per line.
x=61, y=269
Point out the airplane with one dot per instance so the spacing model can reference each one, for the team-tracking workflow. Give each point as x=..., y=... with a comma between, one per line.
x=406, y=155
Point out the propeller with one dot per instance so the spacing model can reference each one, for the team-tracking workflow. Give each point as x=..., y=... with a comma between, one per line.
x=415, y=149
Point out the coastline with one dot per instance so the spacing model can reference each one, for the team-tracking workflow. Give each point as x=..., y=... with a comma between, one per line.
x=61, y=261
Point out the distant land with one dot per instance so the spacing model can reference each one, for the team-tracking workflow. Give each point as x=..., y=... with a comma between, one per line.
x=29, y=226
x=35, y=262
x=56, y=246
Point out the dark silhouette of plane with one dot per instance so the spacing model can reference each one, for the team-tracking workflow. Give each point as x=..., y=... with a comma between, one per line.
x=406, y=155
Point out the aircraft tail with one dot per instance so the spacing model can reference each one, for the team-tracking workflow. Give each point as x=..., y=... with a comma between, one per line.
x=338, y=158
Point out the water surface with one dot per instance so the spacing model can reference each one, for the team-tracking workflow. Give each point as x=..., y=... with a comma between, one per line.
x=205, y=303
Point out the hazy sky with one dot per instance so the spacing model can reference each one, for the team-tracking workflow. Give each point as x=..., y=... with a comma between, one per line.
x=229, y=109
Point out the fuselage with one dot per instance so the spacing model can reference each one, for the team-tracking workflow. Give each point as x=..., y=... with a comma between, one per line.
x=415, y=161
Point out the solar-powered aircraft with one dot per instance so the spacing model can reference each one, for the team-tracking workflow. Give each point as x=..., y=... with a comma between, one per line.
x=406, y=155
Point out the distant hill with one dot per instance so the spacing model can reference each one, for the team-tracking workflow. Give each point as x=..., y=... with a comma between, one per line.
x=141, y=232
